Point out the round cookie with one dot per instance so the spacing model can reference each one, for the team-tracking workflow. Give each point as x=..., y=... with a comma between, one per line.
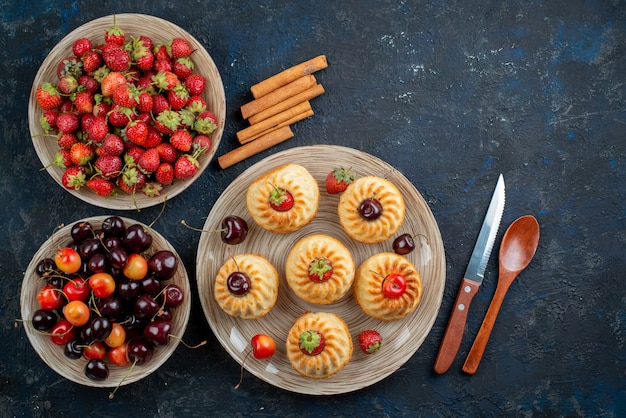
x=391, y=209
x=320, y=255
x=262, y=292
x=368, y=287
x=337, y=346
x=299, y=183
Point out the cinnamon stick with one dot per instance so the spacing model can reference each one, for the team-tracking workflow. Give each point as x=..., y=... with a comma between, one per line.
x=288, y=75
x=264, y=142
x=277, y=96
x=254, y=131
x=292, y=101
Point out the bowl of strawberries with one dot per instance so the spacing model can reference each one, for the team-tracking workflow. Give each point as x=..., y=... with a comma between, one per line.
x=126, y=110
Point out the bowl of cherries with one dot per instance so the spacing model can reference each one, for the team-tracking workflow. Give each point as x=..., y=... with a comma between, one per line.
x=105, y=301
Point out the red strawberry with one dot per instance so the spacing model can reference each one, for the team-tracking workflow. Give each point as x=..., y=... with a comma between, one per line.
x=183, y=67
x=67, y=84
x=126, y=95
x=108, y=166
x=195, y=83
x=159, y=104
x=114, y=35
x=178, y=97
x=132, y=155
x=154, y=137
x=111, y=145
x=312, y=342
x=142, y=53
x=100, y=185
x=66, y=105
x=120, y=116
x=67, y=122
x=131, y=180
x=167, y=152
x=187, y=118
x=83, y=102
x=99, y=129
x=136, y=132
x=180, y=48
x=338, y=180
x=185, y=167
x=74, y=177
x=81, y=153
x=181, y=140
x=152, y=189
x=164, y=174
x=110, y=83
x=66, y=141
x=370, y=341
x=320, y=269
x=81, y=46
x=205, y=123
x=48, y=97
x=89, y=83
x=160, y=52
x=165, y=80
x=86, y=120
x=48, y=120
x=196, y=104
x=117, y=59
x=91, y=61
x=144, y=102
x=161, y=66
x=62, y=158
x=101, y=109
x=149, y=161
x=201, y=142
x=167, y=121
x=281, y=199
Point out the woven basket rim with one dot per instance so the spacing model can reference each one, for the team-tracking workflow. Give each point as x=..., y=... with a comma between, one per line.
x=52, y=354
x=140, y=24
x=401, y=339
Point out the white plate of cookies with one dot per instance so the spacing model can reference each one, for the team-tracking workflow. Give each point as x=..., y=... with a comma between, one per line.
x=277, y=301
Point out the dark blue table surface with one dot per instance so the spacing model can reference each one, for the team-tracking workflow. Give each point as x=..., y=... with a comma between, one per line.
x=452, y=93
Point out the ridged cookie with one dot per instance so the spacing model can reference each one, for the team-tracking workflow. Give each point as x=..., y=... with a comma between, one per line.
x=313, y=252
x=370, y=231
x=368, y=287
x=290, y=177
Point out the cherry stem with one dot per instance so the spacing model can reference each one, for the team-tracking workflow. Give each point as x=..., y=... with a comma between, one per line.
x=160, y=212
x=199, y=229
x=241, y=371
x=192, y=347
x=130, y=369
x=57, y=228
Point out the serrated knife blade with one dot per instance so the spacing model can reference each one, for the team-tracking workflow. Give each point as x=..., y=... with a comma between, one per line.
x=474, y=275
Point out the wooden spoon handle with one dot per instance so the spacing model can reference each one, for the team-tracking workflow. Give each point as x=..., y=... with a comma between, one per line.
x=480, y=342
x=456, y=326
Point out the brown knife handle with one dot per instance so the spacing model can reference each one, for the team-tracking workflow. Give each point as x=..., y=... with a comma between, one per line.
x=456, y=326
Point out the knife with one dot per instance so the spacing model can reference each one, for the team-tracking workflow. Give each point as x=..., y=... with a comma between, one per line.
x=472, y=279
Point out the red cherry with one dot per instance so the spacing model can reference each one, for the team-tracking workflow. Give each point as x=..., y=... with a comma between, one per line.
x=263, y=346
x=95, y=350
x=394, y=285
x=136, y=267
x=67, y=260
x=119, y=355
x=102, y=284
x=62, y=332
x=76, y=289
x=49, y=298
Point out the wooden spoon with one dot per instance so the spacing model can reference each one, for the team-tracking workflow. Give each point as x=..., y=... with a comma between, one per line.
x=518, y=247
